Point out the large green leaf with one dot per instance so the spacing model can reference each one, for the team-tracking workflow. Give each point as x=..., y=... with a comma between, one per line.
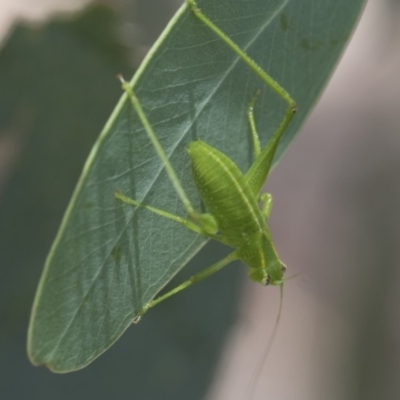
x=108, y=260
x=54, y=107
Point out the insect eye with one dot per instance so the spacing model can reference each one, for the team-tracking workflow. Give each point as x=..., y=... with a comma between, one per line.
x=266, y=281
x=284, y=268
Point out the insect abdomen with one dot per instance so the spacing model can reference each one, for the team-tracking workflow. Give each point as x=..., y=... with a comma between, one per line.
x=225, y=193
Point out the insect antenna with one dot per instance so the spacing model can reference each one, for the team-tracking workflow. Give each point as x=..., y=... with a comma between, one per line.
x=293, y=276
x=252, y=386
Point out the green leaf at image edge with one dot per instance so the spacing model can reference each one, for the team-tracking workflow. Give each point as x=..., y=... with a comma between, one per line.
x=108, y=260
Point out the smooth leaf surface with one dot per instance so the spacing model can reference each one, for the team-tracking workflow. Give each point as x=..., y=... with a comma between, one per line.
x=109, y=260
x=70, y=77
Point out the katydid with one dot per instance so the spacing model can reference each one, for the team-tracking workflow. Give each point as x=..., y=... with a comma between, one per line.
x=232, y=199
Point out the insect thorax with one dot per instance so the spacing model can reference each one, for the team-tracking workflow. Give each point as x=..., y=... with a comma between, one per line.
x=260, y=256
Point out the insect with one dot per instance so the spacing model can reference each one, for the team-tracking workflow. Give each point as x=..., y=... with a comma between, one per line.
x=232, y=199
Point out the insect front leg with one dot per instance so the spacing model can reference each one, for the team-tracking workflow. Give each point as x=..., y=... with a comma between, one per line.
x=252, y=123
x=266, y=204
x=205, y=273
x=265, y=198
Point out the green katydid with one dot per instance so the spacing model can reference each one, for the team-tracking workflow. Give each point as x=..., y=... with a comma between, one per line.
x=231, y=198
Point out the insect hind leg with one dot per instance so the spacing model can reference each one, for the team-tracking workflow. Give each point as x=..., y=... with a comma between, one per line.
x=259, y=171
x=160, y=151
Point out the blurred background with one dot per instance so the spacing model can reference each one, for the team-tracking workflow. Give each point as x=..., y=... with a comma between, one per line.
x=335, y=220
